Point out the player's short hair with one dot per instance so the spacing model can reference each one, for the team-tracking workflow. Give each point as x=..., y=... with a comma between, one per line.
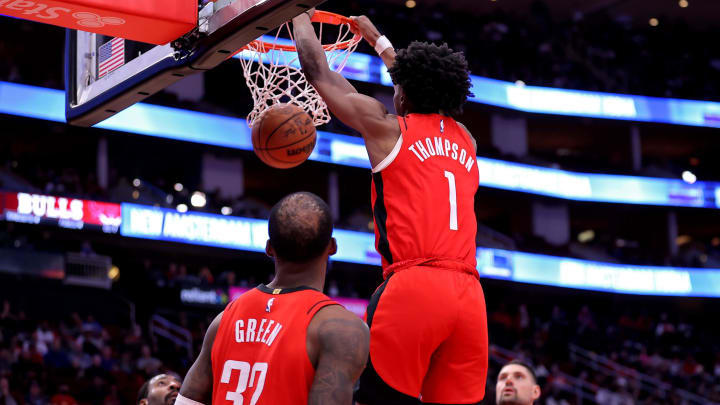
x=300, y=227
x=434, y=78
x=526, y=366
x=144, y=391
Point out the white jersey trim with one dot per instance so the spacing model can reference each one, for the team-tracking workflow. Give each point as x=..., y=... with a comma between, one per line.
x=390, y=157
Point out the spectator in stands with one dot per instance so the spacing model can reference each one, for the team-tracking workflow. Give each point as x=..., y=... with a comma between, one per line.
x=159, y=390
x=63, y=397
x=147, y=362
x=6, y=397
x=35, y=395
x=516, y=385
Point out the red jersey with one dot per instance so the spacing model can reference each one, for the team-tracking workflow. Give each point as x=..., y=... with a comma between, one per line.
x=260, y=353
x=423, y=194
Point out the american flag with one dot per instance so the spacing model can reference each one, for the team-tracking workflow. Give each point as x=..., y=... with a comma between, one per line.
x=111, y=56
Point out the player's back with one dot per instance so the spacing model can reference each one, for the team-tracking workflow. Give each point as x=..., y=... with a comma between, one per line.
x=259, y=355
x=423, y=194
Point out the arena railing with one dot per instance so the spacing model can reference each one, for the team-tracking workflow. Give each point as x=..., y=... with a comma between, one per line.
x=162, y=327
x=650, y=385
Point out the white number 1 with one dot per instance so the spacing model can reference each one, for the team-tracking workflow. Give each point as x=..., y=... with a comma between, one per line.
x=453, y=200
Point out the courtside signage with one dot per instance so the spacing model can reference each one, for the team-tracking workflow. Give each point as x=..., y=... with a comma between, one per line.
x=193, y=227
x=588, y=275
x=65, y=212
x=192, y=126
x=250, y=234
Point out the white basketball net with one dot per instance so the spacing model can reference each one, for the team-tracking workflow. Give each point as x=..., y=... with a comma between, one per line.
x=274, y=76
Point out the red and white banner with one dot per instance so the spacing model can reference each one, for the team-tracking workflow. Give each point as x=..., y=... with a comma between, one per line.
x=72, y=212
x=155, y=22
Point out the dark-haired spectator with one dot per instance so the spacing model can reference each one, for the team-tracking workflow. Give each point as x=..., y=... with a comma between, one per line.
x=57, y=357
x=161, y=389
x=35, y=395
x=516, y=384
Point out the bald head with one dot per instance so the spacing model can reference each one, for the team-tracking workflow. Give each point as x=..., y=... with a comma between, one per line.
x=300, y=227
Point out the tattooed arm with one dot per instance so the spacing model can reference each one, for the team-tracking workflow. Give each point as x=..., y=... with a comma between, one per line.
x=338, y=344
x=199, y=379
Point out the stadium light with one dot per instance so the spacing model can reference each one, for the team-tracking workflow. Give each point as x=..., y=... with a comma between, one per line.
x=182, y=208
x=410, y=3
x=226, y=210
x=137, y=183
x=654, y=22
x=198, y=199
x=114, y=273
x=586, y=236
x=135, y=194
x=689, y=177
x=178, y=187
x=683, y=3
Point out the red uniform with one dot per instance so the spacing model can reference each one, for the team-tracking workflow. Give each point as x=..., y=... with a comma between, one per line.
x=428, y=325
x=260, y=353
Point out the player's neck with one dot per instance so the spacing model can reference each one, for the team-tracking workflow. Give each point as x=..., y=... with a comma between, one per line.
x=291, y=275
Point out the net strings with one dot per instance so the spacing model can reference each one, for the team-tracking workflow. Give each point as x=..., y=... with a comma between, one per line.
x=274, y=76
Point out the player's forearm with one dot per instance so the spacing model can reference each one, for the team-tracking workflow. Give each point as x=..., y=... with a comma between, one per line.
x=328, y=391
x=310, y=51
x=388, y=57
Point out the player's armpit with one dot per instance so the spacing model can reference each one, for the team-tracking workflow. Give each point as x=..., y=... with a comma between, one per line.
x=472, y=138
x=199, y=379
x=343, y=343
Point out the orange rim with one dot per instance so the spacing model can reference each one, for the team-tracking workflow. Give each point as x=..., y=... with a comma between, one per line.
x=324, y=17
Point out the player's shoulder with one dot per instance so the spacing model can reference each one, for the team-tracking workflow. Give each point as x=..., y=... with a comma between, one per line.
x=469, y=134
x=336, y=320
x=333, y=331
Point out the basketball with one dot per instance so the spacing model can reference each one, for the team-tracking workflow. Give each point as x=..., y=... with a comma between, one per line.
x=284, y=136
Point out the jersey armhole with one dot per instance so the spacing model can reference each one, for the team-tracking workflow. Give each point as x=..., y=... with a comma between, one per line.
x=390, y=157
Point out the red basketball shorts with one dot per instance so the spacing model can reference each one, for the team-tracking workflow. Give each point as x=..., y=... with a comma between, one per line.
x=428, y=339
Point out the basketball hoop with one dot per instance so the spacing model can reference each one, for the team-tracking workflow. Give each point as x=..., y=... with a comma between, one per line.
x=272, y=69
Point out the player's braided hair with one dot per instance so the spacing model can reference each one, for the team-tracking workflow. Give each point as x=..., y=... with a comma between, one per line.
x=434, y=78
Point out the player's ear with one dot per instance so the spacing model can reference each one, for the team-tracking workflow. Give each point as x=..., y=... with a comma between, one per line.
x=143, y=401
x=536, y=392
x=268, y=251
x=332, y=247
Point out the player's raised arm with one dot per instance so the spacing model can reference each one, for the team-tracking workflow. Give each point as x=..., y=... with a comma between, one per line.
x=342, y=342
x=365, y=28
x=365, y=114
x=198, y=384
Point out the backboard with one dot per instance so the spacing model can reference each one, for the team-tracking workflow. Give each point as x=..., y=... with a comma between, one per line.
x=104, y=75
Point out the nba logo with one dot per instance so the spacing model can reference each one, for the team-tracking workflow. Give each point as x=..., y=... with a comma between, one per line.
x=269, y=304
x=442, y=126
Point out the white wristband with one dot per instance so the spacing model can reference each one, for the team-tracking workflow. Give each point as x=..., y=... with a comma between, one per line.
x=382, y=44
x=181, y=400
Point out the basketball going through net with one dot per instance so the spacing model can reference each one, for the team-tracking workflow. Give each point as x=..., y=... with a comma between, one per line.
x=272, y=69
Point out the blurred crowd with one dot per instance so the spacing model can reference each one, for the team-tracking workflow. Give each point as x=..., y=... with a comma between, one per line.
x=78, y=360
x=589, y=52
x=581, y=355
x=629, y=357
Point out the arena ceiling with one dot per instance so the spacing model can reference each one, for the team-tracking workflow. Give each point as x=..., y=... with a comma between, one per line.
x=702, y=12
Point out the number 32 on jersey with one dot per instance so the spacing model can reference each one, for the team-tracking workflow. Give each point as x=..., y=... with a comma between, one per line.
x=249, y=377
